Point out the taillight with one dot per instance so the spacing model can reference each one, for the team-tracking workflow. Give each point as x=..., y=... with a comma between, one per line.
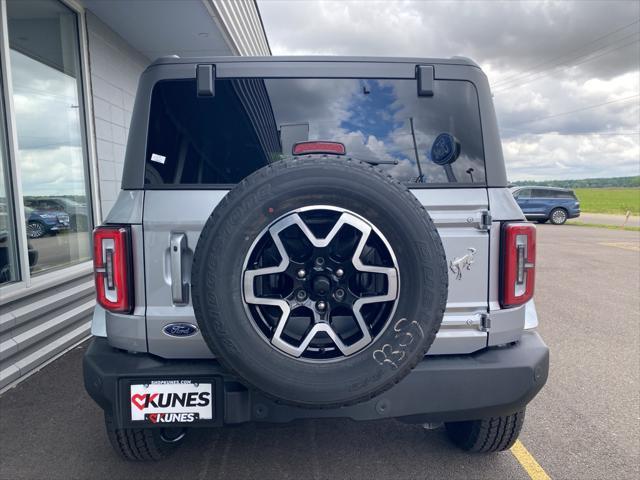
x=518, y=263
x=302, y=148
x=111, y=263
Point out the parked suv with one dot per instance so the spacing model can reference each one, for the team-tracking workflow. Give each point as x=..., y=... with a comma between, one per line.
x=543, y=204
x=313, y=238
x=43, y=222
x=77, y=212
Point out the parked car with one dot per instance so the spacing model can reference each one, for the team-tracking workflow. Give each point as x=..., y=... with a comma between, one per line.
x=78, y=212
x=543, y=204
x=281, y=278
x=7, y=247
x=5, y=264
x=43, y=222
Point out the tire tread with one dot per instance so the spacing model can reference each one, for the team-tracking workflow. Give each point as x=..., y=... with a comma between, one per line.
x=487, y=435
x=137, y=444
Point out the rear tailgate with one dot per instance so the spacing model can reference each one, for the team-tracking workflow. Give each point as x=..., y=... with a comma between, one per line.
x=462, y=217
x=459, y=214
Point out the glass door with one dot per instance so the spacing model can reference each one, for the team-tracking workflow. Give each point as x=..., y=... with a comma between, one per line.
x=49, y=121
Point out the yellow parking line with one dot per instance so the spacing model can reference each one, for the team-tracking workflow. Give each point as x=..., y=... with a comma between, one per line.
x=634, y=247
x=529, y=463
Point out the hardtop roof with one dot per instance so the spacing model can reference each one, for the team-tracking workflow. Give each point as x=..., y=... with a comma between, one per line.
x=174, y=59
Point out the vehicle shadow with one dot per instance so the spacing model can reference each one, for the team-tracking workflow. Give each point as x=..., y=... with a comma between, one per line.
x=337, y=448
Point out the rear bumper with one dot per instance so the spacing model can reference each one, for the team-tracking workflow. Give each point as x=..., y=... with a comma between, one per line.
x=57, y=227
x=495, y=381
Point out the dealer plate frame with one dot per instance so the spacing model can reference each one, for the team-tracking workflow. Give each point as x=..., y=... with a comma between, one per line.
x=123, y=408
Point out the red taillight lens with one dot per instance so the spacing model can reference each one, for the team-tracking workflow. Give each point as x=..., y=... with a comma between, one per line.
x=518, y=263
x=302, y=148
x=111, y=255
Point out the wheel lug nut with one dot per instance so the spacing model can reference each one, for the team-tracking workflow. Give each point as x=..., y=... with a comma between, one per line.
x=321, y=306
x=302, y=273
x=301, y=295
x=339, y=294
x=339, y=272
x=319, y=261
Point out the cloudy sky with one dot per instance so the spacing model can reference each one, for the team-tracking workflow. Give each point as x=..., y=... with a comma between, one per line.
x=48, y=120
x=565, y=75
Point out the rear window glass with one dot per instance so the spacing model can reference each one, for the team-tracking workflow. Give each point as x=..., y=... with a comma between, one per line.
x=563, y=194
x=543, y=193
x=251, y=122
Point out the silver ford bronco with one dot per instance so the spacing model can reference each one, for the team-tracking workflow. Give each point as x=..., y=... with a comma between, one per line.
x=313, y=237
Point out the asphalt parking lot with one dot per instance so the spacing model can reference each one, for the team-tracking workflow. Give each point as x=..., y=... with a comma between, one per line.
x=583, y=425
x=60, y=249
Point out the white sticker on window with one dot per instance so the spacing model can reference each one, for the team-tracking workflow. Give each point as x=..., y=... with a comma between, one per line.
x=158, y=158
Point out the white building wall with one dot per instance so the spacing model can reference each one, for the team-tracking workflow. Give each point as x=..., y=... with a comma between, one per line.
x=115, y=68
x=53, y=314
x=241, y=24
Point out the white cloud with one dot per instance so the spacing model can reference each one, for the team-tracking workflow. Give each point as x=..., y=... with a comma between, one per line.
x=52, y=171
x=533, y=157
x=542, y=59
x=48, y=127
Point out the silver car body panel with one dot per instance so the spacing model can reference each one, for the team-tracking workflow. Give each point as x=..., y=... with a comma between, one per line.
x=531, y=316
x=128, y=332
x=503, y=206
x=459, y=214
x=506, y=324
x=128, y=208
x=99, y=322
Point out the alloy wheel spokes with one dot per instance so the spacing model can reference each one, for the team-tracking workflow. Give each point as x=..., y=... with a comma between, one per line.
x=321, y=286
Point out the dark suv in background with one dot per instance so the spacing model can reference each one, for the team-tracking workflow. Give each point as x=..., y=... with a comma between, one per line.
x=543, y=204
x=45, y=222
x=77, y=212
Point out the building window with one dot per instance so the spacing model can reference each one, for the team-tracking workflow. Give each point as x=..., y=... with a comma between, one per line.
x=8, y=247
x=49, y=121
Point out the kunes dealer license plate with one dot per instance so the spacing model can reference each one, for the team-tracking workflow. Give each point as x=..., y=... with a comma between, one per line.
x=171, y=401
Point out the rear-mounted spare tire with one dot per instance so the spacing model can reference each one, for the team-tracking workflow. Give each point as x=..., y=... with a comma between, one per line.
x=320, y=282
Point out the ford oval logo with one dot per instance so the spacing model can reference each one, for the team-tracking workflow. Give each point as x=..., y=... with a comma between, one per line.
x=180, y=329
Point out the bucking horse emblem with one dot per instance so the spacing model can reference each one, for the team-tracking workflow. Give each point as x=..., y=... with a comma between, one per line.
x=457, y=265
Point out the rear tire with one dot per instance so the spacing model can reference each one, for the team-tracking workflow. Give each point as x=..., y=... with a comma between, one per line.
x=487, y=435
x=143, y=444
x=558, y=216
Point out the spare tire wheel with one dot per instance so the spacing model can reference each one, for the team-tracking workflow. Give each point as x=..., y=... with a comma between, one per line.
x=320, y=282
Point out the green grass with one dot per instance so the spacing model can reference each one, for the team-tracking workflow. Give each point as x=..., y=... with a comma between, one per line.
x=602, y=225
x=609, y=200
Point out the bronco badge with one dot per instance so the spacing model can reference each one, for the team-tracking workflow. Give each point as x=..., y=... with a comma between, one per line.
x=457, y=265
